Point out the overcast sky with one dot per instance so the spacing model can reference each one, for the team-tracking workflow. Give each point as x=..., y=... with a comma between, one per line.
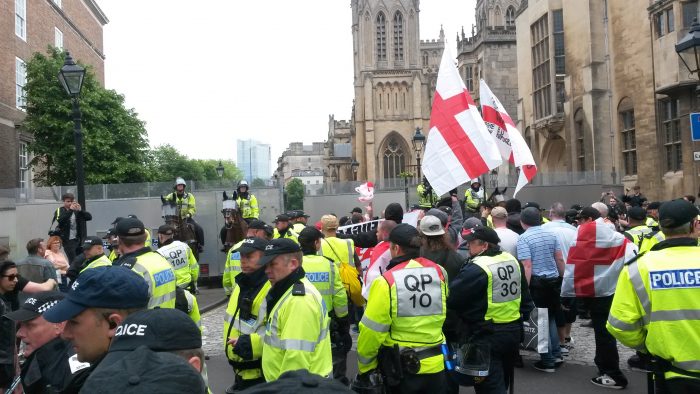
x=203, y=73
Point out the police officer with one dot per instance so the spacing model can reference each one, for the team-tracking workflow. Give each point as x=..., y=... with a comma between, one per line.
x=188, y=207
x=427, y=198
x=180, y=257
x=296, y=335
x=113, y=242
x=299, y=220
x=323, y=273
x=403, y=320
x=655, y=305
x=113, y=237
x=488, y=296
x=638, y=229
x=154, y=268
x=50, y=361
x=232, y=266
x=244, y=323
x=247, y=202
x=653, y=215
x=283, y=230
x=473, y=197
x=94, y=254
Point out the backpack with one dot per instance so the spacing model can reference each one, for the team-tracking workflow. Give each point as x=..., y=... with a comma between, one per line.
x=351, y=281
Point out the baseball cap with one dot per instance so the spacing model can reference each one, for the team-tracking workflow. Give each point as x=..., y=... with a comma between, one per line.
x=145, y=371
x=329, y=222
x=471, y=223
x=160, y=329
x=499, y=213
x=300, y=380
x=282, y=218
x=404, y=235
x=309, y=234
x=36, y=305
x=250, y=245
x=676, y=213
x=102, y=287
x=430, y=225
x=531, y=216
x=91, y=241
x=257, y=225
x=637, y=213
x=166, y=229
x=109, y=233
x=292, y=214
x=442, y=216
x=276, y=247
x=129, y=227
x=485, y=234
x=118, y=219
x=301, y=214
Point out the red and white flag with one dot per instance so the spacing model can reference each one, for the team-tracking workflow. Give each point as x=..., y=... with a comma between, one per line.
x=378, y=261
x=459, y=146
x=510, y=142
x=595, y=260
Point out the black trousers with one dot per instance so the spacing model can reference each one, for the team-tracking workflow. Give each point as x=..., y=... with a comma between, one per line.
x=504, y=347
x=71, y=248
x=606, y=358
x=681, y=386
x=420, y=384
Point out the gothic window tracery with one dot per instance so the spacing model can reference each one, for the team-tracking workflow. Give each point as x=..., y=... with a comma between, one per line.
x=381, y=37
x=398, y=36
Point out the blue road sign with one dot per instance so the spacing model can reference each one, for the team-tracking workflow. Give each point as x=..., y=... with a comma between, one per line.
x=695, y=126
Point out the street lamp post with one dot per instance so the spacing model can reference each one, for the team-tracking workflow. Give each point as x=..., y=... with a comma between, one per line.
x=687, y=50
x=418, y=142
x=71, y=77
x=354, y=166
x=220, y=172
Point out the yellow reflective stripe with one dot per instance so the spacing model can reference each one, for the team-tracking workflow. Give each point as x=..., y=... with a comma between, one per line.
x=374, y=326
x=155, y=301
x=350, y=253
x=291, y=344
x=620, y=325
x=638, y=284
x=681, y=314
x=341, y=310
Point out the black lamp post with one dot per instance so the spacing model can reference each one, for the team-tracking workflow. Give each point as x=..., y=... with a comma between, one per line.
x=220, y=171
x=354, y=166
x=687, y=50
x=418, y=142
x=71, y=77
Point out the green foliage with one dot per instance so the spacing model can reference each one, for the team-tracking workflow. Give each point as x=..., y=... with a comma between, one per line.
x=115, y=142
x=257, y=182
x=295, y=194
x=167, y=163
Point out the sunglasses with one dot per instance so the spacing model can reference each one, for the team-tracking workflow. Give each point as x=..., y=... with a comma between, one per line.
x=11, y=277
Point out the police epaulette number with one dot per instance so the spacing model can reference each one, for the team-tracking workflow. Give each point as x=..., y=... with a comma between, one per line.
x=298, y=289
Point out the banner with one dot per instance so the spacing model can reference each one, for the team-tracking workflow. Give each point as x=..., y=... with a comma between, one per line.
x=359, y=227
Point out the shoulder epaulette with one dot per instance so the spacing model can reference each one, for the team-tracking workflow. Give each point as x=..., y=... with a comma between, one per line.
x=635, y=258
x=298, y=289
x=328, y=258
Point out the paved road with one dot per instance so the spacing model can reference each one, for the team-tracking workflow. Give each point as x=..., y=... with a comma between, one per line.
x=572, y=378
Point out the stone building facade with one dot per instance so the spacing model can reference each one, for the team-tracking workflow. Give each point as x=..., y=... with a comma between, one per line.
x=300, y=159
x=489, y=53
x=26, y=27
x=394, y=77
x=603, y=95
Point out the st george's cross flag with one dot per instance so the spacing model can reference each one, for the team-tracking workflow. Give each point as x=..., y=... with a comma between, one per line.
x=459, y=146
x=510, y=142
x=595, y=260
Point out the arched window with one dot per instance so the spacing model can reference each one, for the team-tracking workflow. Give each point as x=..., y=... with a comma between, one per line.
x=398, y=36
x=580, y=136
x=381, y=37
x=394, y=160
x=510, y=16
x=628, y=140
x=497, y=20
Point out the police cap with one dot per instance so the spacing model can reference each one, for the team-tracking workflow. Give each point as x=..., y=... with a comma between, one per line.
x=485, y=234
x=250, y=245
x=160, y=329
x=35, y=305
x=309, y=234
x=166, y=229
x=277, y=247
x=676, y=213
x=256, y=225
x=637, y=213
x=91, y=241
x=129, y=227
x=404, y=235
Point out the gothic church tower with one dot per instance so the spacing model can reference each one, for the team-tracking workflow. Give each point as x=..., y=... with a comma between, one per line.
x=394, y=77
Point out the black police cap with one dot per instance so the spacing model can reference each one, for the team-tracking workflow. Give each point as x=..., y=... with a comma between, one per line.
x=676, y=213
x=250, y=245
x=277, y=247
x=637, y=213
x=404, y=235
x=485, y=234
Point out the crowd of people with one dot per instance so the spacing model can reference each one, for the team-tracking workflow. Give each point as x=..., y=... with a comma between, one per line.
x=437, y=301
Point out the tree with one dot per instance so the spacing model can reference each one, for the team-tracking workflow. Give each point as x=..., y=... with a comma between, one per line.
x=295, y=194
x=257, y=182
x=167, y=163
x=115, y=142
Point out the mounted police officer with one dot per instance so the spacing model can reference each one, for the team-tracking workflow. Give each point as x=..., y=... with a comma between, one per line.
x=488, y=297
x=655, y=305
x=247, y=202
x=188, y=208
x=401, y=330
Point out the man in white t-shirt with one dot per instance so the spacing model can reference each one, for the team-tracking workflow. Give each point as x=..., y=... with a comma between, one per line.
x=509, y=238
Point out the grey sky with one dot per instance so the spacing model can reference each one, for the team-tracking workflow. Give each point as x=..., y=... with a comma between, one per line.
x=204, y=73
